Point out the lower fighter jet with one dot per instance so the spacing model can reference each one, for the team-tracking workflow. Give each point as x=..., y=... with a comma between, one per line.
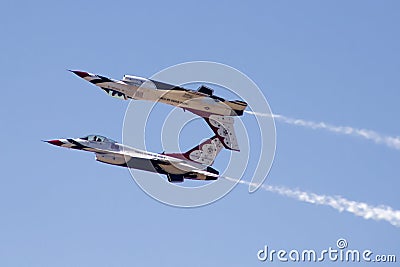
x=215, y=110
x=194, y=164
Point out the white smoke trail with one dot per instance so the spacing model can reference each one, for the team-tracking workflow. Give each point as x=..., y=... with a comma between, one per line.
x=339, y=203
x=390, y=141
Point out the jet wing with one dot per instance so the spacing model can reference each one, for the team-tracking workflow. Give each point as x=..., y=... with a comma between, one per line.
x=139, y=160
x=128, y=153
x=118, y=151
x=200, y=171
x=189, y=171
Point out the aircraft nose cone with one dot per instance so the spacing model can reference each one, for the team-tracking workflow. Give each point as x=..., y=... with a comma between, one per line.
x=55, y=142
x=81, y=74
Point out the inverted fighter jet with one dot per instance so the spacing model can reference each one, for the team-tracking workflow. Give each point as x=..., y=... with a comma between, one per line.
x=195, y=164
x=216, y=111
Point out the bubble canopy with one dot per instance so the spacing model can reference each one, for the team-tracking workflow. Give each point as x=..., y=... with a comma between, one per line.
x=98, y=138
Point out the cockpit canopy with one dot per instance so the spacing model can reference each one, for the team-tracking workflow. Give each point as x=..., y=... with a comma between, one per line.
x=98, y=138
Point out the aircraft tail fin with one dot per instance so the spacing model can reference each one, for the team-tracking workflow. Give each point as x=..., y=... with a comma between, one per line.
x=223, y=127
x=206, y=152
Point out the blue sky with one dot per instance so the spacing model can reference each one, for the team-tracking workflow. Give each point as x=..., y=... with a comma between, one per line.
x=335, y=61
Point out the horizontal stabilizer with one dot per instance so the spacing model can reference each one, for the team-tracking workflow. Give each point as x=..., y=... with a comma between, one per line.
x=237, y=107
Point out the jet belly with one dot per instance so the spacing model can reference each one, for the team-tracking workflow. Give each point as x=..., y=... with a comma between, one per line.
x=182, y=167
x=119, y=87
x=140, y=88
x=191, y=100
x=175, y=168
x=142, y=164
x=212, y=106
x=126, y=161
x=111, y=158
x=147, y=91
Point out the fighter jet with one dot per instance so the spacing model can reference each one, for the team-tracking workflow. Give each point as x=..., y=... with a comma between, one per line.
x=216, y=111
x=195, y=164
